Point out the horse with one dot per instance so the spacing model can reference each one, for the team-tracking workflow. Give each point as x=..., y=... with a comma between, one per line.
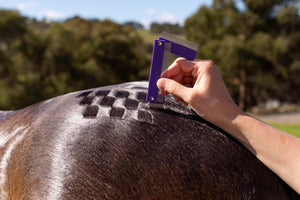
x=109, y=143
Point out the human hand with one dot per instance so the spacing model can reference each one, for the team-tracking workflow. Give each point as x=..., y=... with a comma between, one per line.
x=199, y=84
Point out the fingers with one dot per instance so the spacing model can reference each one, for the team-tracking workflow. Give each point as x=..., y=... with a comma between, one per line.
x=180, y=67
x=185, y=65
x=183, y=75
x=170, y=86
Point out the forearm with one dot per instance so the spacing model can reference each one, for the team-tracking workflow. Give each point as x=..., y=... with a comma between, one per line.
x=276, y=149
x=210, y=99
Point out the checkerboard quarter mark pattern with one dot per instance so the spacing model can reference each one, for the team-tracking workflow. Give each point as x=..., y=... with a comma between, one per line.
x=117, y=112
x=91, y=111
x=121, y=94
x=131, y=104
x=86, y=99
x=107, y=101
x=118, y=104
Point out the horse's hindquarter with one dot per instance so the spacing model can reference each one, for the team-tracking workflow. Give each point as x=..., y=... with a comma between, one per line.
x=107, y=143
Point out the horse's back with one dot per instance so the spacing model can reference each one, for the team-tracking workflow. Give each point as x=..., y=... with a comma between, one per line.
x=108, y=143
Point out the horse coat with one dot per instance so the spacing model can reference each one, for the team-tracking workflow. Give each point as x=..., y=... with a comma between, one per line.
x=109, y=143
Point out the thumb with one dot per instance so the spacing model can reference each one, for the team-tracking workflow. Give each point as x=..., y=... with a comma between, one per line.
x=172, y=87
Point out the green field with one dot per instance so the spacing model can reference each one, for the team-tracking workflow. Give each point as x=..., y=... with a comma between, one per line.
x=293, y=129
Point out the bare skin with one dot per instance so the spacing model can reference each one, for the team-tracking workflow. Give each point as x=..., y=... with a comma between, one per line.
x=199, y=84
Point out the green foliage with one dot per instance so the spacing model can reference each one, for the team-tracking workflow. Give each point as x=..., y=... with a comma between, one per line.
x=257, y=49
x=170, y=28
x=40, y=60
x=12, y=25
x=134, y=25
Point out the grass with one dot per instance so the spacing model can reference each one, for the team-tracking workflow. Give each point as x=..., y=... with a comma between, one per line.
x=293, y=129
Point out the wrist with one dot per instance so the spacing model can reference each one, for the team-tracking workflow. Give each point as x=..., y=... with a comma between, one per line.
x=231, y=118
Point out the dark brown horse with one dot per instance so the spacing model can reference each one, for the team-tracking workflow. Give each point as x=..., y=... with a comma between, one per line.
x=108, y=143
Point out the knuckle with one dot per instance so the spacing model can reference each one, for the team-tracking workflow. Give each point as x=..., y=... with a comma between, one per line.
x=210, y=63
x=179, y=59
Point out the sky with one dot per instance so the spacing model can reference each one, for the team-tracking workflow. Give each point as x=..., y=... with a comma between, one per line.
x=145, y=12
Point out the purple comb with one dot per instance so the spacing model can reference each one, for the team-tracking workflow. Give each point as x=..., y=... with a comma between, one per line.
x=162, y=48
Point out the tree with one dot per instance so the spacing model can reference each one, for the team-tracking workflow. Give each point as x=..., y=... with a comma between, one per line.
x=248, y=46
x=12, y=31
x=170, y=28
x=12, y=25
x=134, y=25
x=40, y=60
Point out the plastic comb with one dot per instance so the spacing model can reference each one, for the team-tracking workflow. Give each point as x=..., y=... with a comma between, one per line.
x=162, y=48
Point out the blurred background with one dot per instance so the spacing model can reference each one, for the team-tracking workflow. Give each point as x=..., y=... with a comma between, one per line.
x=49, y=48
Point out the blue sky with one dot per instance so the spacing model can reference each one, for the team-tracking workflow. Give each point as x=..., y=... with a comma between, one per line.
x=145, y=12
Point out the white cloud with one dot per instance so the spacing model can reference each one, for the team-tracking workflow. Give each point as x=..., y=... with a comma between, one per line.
x=167, y=17
x=26, y=6
x=146, y=23
x=160, y=17
x=151, y=11
x=53, y=15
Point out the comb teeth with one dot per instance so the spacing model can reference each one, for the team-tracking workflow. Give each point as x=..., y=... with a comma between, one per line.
x=180, y=41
